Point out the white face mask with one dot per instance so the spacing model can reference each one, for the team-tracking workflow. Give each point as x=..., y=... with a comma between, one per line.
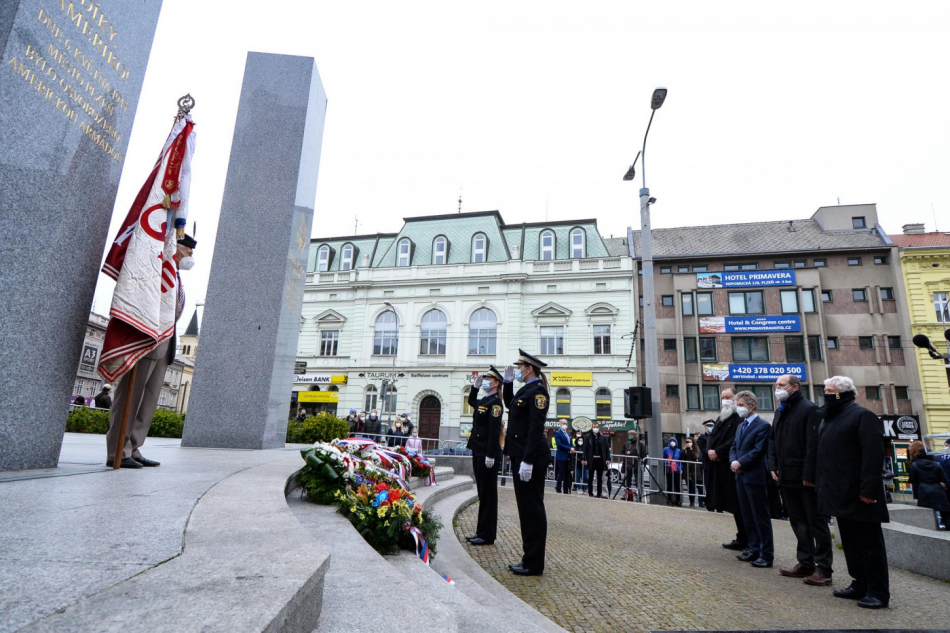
x=186, y=263
x=725, y=403
x=781, y=395
x=563, y=427
x=596, y=430
x=743, y=412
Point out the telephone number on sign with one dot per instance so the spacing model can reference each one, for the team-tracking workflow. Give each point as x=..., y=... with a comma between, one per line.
x=765, y=371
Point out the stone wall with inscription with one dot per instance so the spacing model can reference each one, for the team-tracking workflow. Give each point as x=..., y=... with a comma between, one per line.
x=245, y=365
x=70, y=77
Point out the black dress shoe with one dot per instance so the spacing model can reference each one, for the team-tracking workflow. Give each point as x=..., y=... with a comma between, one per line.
x=870, y=602
x=469, y=538
x=851, y=593
x=514, y=565
x=480, y=541
x=761, y=562
x=747, y=556
x=521, y=571
x=127, y=462
x=150, y=463
x=734, y=545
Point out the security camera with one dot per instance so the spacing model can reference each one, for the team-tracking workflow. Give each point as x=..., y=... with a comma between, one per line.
x=652, y=200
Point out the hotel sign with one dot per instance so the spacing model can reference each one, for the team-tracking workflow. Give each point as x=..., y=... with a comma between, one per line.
x=749, y=324
x=746, y=279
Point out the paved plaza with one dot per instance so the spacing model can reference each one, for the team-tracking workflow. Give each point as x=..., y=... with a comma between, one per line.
x=614, y=566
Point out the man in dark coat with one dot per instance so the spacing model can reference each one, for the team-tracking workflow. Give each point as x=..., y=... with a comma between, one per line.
x=529, y=452
x=794, y=440
x=596, y=458
x=724, y=497
x=850, y=486
x=104, y=398
x=749, y=461
x=485, y=444
x=703, y=443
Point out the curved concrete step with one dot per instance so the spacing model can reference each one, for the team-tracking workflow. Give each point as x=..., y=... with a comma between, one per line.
x=247, y=565
x=479, y=589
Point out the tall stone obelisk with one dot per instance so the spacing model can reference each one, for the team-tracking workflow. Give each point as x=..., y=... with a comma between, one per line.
x=70, y=77
x=245, y=363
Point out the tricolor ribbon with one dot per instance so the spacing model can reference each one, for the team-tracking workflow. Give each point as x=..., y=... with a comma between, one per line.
x=422, y=545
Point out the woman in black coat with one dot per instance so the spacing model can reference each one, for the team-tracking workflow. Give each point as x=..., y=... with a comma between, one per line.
x=929, y=483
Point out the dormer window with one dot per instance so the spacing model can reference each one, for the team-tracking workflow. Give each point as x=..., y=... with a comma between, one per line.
x=479, y=248
x=323, y=259
x=577, y=244
x=440, y=250
x=346, y=259
x=858, y=222
x=547, y=245
x=404, y=252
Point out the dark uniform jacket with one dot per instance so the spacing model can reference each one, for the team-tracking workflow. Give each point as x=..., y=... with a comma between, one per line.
x=591, y=441
x=527, y=411
x=794, y=439
x=849, y=463
x=103, y=400
x=724, y=496
x=485, y=440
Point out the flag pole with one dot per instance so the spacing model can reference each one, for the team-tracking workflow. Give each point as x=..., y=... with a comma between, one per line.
x=124, y=420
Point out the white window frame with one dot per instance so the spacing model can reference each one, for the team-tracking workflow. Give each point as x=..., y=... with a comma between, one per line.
x=547, y=253
x=789, y=296
x=479, y=250
x=942, y=307
x=603, y=397
x=371, y=397
x=480, y=337
x=391, y=400
x=329, y=342
x=346, y=257
x=432, y=340
x=386, y=341
x=604, y=339
x=404, y=255
x=578, y=250
x=552, y=340
x=440, y=249
x=808, y=301
x=323, y=259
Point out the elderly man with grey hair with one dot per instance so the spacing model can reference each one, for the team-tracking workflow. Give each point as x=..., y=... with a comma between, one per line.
x=850, y=487
x=792, y=446
x=748, y=461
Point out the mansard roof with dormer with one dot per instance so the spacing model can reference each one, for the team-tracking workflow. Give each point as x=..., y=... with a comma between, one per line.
x=505, y=242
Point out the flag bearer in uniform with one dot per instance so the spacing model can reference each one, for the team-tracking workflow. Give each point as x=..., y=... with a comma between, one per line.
x=485, y=444
x=529, y=453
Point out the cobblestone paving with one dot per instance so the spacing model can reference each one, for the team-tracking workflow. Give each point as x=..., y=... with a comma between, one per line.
x=614, y=566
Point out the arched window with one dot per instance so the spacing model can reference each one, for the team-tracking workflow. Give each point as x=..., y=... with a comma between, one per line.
x=346, y=258
x=466, y=407
x=434, y=325
x=547, y=245
x=602, y=401
x=440, y=250
x=404, y=252
x=386, y=335
x=563, y=398
x=482, y=330
x=578, y=247
x=479, y=248
x=371, y=395
x=323, y=259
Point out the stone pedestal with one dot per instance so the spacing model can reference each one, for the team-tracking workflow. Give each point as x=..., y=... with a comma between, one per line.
x=70, y=77
x=245, y=364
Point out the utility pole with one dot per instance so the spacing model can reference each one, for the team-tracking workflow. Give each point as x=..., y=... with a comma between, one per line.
x=650, y=353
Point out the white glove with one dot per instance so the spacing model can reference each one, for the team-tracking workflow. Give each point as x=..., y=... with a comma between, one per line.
x=478, y=381
x=525, y=471
x=510, y=373
x=489, y=462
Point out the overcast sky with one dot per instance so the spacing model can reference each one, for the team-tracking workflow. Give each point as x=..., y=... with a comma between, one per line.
x=537, y=109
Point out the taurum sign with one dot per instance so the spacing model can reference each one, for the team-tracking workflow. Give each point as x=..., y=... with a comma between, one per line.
x=746, y=279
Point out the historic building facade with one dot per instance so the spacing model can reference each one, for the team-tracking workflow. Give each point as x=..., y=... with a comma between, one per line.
x=426, y=308
x=88, y=381
x=740, y=304
x=925, y=261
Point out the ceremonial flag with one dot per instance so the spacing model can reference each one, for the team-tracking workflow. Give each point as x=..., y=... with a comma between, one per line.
x=148, y=294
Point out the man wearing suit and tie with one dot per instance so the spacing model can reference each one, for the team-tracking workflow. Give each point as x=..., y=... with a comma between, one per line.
x=748, y=458
x=564, y=465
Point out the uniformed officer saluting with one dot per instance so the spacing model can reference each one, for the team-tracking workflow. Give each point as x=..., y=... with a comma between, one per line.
x=485, y=444
x=529, y=453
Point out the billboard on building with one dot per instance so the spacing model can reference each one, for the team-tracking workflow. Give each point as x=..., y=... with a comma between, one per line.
x=572, y=379
x=321, y=379
x=746, y=372
x=749, y=324
x=746, y=279
x=318, y=396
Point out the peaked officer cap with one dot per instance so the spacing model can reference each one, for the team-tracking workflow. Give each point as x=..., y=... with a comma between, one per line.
x=524, y=358
x=188, y=241
x=494, y=373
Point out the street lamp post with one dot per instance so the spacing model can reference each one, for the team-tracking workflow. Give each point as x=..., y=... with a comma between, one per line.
x=650, y=353
x=392, y=381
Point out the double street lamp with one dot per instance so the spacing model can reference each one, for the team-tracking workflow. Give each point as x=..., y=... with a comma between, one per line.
x=650, y=360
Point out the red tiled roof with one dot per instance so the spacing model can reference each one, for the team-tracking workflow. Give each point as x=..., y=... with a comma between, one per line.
x=921, y=239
